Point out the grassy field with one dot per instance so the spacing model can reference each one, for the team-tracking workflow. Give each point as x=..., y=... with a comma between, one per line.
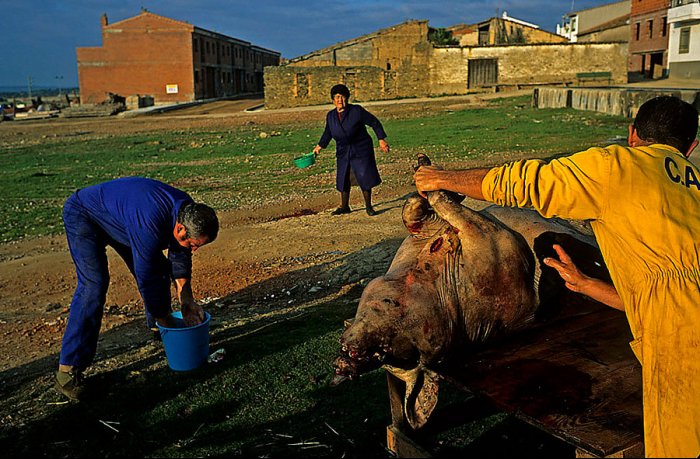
x=269, y=397
x=224, y=168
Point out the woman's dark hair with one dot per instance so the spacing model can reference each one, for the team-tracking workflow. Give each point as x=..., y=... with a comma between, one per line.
x=340, y=89
x=199, y=220
x=667, y=120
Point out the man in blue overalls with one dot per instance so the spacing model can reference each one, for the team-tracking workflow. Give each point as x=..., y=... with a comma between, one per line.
x=139, y=218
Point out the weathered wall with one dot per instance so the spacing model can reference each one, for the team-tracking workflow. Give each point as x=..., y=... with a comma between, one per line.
x=527, y=64
x=613, y=101
x=389, y=49
x=289, y=86
x=385, y=65
x=400, y=62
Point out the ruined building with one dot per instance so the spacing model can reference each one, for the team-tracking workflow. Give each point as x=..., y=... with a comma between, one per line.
x=401, y=61
x=169, y=61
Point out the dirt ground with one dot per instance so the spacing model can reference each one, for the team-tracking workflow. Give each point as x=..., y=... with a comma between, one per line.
x=285, y=251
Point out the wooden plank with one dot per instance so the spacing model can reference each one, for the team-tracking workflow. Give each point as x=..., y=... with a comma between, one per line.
x=403, y=446
x=575, y=378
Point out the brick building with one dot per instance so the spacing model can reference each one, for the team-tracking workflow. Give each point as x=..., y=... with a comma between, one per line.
x=170, y=61
x=648, y=44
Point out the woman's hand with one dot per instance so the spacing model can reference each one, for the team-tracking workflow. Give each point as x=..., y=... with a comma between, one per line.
x=317, y=149
x=383, y=145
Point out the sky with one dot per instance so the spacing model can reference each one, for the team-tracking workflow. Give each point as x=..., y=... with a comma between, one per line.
x=39, y=37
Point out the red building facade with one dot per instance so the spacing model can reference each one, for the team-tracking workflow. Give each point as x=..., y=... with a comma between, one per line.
x=648, y=45
x=169, y=60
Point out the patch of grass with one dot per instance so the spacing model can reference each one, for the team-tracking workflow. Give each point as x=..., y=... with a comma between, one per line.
x=269, y=396
x=230, y=168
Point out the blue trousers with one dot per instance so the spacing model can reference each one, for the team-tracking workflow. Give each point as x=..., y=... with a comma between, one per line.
x=88, y=243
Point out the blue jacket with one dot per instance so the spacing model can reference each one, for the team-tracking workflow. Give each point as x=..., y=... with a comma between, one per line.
x=353, y=145
x=141, y=213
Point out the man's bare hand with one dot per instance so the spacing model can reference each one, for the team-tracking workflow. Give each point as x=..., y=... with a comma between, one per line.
x=192, y=314
x=428, y=178
x=167, y=321
x=575, y=280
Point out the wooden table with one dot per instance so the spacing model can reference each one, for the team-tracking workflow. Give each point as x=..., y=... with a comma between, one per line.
x=575, y=378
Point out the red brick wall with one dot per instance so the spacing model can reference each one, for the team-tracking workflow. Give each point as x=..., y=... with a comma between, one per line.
x=139, y=56
x=645, y=48
x=647, y=6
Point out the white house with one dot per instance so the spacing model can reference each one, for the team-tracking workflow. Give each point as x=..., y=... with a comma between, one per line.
x=684, y=39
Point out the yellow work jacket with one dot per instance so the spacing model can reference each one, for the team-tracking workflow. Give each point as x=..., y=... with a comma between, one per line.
x=644, y=207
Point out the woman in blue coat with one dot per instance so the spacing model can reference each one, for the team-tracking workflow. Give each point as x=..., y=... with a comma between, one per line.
x=354, y=150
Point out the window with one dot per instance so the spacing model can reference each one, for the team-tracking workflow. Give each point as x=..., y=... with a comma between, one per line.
x=650, y=28
x=684, y=42
x=637, y=28
x=664, y=26
x=195, y=43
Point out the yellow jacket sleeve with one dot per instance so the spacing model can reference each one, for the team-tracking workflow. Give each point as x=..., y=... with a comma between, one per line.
x=572, y=187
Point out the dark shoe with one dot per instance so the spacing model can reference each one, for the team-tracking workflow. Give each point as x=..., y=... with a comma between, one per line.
x=371, y=212
x=341, y=210
x=70, y=384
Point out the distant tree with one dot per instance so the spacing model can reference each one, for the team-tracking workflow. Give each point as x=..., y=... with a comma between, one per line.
x=440, y=36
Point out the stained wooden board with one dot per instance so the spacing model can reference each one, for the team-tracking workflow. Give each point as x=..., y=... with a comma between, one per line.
x=576, y=378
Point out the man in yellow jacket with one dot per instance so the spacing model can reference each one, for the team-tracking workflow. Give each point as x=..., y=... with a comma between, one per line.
x=643, y=203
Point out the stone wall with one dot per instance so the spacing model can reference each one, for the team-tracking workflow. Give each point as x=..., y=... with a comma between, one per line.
x=400, y=62
x=300, y=86
x=527, y=64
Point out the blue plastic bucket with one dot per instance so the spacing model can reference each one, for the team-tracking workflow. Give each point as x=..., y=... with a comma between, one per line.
x=186, y=348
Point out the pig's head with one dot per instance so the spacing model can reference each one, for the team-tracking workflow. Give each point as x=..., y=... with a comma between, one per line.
x=392, y=320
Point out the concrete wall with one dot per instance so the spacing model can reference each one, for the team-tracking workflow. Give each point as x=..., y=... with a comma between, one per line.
x=593, y=17
x=613, y=101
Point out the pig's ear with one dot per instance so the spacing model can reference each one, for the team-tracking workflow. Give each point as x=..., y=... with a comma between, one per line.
x=421, y=397
x=421, y=393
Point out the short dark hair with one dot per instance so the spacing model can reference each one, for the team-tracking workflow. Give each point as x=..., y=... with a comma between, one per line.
x=667, y=120
x=199, y=220
x=340, y=89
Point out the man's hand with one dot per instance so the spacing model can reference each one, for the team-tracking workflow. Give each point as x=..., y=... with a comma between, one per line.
x=578, y=282
x=428, y=178
x=192, y=313
x=167, y=321
x=574, y=279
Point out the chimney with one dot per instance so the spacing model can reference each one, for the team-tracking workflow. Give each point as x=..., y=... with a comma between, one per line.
x=104, y=20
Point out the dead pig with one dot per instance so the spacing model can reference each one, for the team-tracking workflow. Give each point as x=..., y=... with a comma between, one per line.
x=460, y=279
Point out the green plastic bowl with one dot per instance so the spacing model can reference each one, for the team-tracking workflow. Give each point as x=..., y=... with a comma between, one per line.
x=305, y=160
